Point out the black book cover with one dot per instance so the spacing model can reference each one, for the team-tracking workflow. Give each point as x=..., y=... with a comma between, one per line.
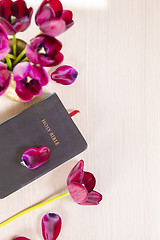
x=46, y=123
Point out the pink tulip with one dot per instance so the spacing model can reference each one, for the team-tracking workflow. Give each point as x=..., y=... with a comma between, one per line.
x=81, y=185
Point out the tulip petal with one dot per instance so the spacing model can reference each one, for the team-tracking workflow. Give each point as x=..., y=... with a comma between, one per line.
x=78, y=192
x=93, y=198
x=35, y=157
x=65, y=75
x=23, y=91
x=22, y=8
x=5, y=78
x=51, y=226
x=67, y=16
x=78, y=166
x=53, y=27
x=35, y=87
x=9, y=29
x=21, y=238
x=31, y=54
x=56, y=5
x=89, y=181
x=21, y=70
x=40, y=74
x=44, y=14
x=4, y=43
x=77, y=176
x=46, y=61
x=7, y=7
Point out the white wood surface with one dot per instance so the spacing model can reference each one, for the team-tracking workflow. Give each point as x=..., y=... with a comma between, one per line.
x=115, y=46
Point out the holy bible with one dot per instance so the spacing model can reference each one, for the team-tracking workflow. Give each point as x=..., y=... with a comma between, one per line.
x=46, y=123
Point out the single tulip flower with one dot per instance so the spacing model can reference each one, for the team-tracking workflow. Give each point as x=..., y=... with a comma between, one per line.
x=4, y=43
x=51, y=226
x=29, y=80
x=5, y=78
x=52, y=19
x=15, y=16
x=35, y=157
x=51, y=47
x=81, y=185
x=65, y=75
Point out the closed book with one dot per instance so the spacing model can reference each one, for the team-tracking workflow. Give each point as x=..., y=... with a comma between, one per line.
x=46, y=123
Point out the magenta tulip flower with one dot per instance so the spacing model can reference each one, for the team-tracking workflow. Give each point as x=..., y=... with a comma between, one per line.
x=51, y=55
x=15, y=16
x=5, y=78
x=65, y=75
x=21, y=238
x=51, y=226
x=29, y=80
x=81, y=185
x=52, y=19
x=35, y=157
x=4, y=43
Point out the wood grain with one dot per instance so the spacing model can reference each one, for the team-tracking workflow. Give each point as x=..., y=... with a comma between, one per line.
x=115, y=46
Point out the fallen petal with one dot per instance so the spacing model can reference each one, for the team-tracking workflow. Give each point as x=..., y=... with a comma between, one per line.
x=78, y=192
x=65, y=75
x=89, y=181
x=35, y=157
x=93, y=198
x=51, y=226
x=21, y=238
x=79, y=165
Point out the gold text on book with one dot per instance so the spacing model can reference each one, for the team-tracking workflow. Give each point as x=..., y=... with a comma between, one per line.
x=49, y=130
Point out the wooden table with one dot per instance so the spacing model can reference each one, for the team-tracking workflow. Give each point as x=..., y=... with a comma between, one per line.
x=115, y=46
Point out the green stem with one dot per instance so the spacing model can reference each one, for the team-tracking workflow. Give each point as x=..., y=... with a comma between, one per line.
x=32, y=209
x=14, y=46
x=11, y=56
x=25, y=59
x=19, y=57
x=9, y=63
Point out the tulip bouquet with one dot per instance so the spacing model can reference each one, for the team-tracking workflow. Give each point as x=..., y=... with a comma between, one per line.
x=24, y=63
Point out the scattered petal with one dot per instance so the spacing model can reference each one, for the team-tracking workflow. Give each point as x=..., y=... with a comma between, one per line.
x=21, y=238
x=65, y=75
x=35, y=157
x=51, y=226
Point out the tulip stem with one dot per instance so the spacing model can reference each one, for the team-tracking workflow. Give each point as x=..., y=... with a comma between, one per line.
x=14, y=46
x=30, y=209
x=25, y=60
x=9, y=63
x=11, y=56
x=19, y=57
